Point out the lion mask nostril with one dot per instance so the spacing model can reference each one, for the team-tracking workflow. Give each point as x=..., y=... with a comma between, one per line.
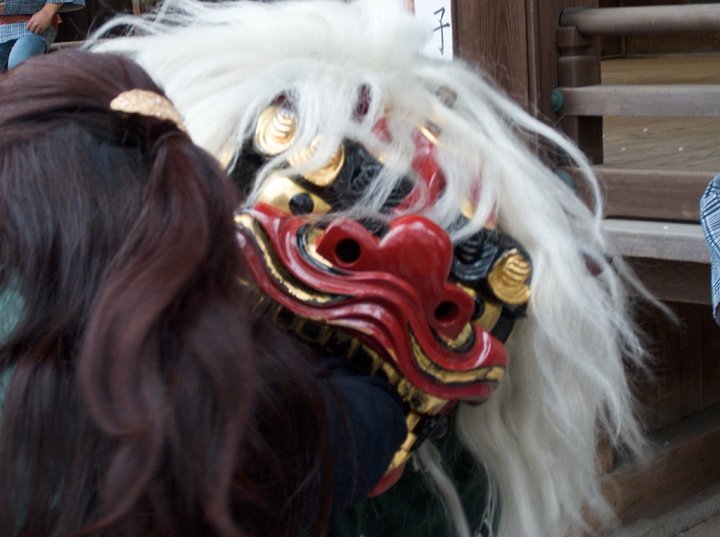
x=348, y=251
x=446, y=312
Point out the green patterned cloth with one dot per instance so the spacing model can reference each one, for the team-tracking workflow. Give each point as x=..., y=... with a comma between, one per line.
x=412, y=509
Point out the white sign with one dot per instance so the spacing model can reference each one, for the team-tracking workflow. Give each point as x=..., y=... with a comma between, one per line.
x=437, y=17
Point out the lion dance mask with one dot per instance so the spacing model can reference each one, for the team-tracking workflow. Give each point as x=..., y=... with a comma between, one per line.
x=393, y=295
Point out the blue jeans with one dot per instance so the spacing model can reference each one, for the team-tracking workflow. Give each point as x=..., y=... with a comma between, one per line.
x=16, y=51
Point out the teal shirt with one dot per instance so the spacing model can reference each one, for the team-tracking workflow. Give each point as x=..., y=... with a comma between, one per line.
x=10, y=308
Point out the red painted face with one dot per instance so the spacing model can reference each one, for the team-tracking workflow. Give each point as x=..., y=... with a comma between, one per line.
x=394, y=293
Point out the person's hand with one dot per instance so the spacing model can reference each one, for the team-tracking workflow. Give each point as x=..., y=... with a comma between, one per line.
x=40, y=21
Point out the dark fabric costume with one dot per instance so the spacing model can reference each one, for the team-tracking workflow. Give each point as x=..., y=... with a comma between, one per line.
x=367, y=425
x=411, y=507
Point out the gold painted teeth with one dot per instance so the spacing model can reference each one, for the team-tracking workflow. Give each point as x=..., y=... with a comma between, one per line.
x=380, y=366
x=419, y=403
x=403, y=454
x=317, y=332
x=343, y=345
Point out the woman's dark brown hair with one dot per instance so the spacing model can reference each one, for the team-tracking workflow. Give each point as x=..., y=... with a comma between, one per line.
x=140, y=397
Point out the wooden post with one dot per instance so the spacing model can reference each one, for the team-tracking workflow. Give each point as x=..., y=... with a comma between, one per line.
x=514, y=41
x=544, y=17
x=493, y=36
x=579, y=65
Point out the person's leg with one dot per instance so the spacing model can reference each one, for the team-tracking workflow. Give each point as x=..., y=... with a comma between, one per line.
x=5, y=49
x=26, y=47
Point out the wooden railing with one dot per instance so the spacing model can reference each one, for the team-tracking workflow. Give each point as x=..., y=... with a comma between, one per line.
x=638, y=20
x=654, y=212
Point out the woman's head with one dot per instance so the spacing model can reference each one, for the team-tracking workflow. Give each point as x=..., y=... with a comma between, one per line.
x=80, y=182
x=133, y=373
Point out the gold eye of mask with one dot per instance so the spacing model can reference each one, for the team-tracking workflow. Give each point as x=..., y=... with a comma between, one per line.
x=285, y=194
x=275, y=131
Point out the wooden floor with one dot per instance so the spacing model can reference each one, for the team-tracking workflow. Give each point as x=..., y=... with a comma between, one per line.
x=698, y=517
x=689, y=144
x=709, y=528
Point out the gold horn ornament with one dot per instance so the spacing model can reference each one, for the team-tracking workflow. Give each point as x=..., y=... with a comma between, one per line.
x=509, y=278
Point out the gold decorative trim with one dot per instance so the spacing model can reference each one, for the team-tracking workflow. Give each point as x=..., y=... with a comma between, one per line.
x=460, y=341
x=431, y=131
x=509, y=278
x=312, y=236
x=147, y=103
x=325, y=175
x=418, y=400
x=493, y=373
x=275, y=130
x=277, y=271
x=467, y=208
x=226, y=156
x=490, y=316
